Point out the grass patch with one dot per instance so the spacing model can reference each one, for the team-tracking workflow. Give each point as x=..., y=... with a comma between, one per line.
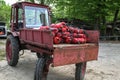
x=1, y=43
x=2, y=54
x=2, y=50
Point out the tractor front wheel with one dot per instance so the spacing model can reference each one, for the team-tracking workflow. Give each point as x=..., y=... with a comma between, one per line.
x=12, y=50
x=80, y=71
x=42, y=69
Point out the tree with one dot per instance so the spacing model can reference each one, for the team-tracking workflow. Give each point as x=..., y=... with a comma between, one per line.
x=4, y=12
x=96, y=12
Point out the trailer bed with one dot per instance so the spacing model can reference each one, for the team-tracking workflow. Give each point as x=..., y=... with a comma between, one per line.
x=63, y=54
x=74, y=53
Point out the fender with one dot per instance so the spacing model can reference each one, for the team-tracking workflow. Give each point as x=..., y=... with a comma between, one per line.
x=15, y=33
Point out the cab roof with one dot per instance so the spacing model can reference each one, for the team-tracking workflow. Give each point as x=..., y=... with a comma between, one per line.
x=21, y=4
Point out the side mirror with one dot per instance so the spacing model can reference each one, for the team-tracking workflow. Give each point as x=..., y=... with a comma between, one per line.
x=42, y=19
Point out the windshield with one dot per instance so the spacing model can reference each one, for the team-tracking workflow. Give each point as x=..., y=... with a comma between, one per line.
x=33, y=19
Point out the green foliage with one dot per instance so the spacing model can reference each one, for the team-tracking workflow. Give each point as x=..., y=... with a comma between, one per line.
x=4, y=12
x=95, y=12
x=85, y=9
x=2, y=51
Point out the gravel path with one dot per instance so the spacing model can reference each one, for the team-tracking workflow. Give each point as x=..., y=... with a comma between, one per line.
x=106, y=68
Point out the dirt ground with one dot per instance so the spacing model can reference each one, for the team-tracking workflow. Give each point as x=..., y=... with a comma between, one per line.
x=106, y=68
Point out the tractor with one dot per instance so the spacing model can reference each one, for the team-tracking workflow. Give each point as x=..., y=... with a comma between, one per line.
x=26, y=19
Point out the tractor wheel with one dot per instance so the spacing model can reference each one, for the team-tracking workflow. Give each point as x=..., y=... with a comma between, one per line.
x=40, y=73
x=12, y=50
x=38, y=55
x=80, y=71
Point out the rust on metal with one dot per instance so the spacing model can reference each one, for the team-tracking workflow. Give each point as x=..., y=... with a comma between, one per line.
x=63, y=54
x=75, y=54
x=37, y=37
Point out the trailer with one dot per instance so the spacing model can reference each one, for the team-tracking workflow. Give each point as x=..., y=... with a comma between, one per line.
x=25, y=19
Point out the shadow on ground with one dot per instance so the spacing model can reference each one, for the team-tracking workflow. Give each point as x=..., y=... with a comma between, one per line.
x=26, y=66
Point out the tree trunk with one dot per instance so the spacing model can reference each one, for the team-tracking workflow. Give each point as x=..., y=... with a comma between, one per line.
x=97, y=23
x=114, y=20
x=104, y=24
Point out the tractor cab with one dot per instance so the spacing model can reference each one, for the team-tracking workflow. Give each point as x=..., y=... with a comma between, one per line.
x=29, y=15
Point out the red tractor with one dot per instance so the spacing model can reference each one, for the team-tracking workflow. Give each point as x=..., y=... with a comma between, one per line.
x=26, y=19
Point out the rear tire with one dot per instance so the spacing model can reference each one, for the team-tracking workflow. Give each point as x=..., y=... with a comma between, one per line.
x=39, y=71
x=12, y=50
x=80, y=71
